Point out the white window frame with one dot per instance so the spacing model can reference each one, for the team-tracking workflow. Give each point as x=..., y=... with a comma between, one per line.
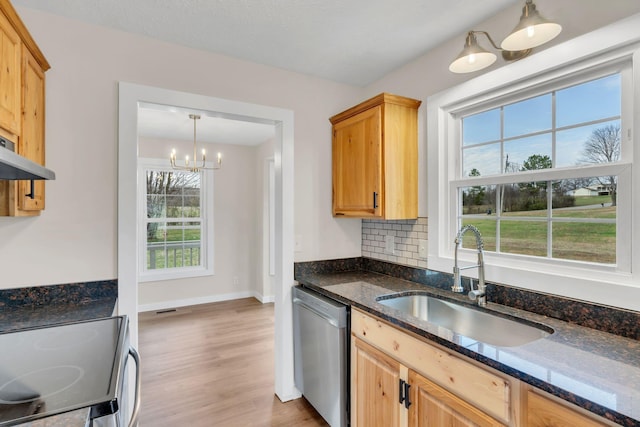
x=207, y=234
x=574, y=61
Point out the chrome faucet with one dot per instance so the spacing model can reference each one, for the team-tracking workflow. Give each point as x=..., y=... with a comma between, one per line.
x=480, y=293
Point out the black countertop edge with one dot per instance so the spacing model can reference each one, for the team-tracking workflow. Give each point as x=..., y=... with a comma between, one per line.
x=593, y=407
x=613, y=320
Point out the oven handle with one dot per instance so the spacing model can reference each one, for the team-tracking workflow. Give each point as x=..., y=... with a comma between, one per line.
x=136, y=404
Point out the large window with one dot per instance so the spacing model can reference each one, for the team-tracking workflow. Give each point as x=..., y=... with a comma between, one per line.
x=174, y=220
x=572, y=128
x=540, y=155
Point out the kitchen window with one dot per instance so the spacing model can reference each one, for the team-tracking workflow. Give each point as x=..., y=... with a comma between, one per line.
x=551, y=199
x=539, y=156
x=175, y=222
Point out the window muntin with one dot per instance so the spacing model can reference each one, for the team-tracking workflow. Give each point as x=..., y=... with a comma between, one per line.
x=545, y=218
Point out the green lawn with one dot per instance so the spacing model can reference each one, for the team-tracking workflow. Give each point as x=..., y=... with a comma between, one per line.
x=593, y=242
x=592, y=200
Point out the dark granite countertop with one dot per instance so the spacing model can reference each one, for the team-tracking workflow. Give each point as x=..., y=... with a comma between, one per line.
x=595, y=370
x=47, y=305
x=34, y=307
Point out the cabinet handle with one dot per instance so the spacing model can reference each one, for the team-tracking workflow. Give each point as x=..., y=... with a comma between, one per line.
x=32, y=194
x=407, y=399
x=375, y=200
x=403, y=392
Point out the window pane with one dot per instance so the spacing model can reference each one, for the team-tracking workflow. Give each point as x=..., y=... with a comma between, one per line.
x=485, y=159
x=529, y=153
x=529, y=116
x=155, y=232
x=156, y=206
x=487, y=228
x=479, y=199
x=585, y=197
x=591, y=144
x=481, y=127
x=156, y=256
x=582, y=241
x=594, y=100
x=523, y=237
x=524, y=199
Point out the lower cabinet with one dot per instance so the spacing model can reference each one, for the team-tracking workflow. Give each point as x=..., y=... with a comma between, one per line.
x=375, y=387
x=398, y=380
x=401, y=380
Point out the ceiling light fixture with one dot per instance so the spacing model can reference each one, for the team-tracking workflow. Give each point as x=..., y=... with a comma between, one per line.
x=533, y=30
x=193, y=167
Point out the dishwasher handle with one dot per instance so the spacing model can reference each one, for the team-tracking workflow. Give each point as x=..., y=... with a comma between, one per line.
x=136, y=403
x=332, y=321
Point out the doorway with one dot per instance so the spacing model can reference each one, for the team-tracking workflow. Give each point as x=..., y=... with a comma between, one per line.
x=130, y=96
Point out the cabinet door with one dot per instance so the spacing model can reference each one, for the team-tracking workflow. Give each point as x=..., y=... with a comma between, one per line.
x=543, y=412
x=433, y=406
x=375, y=391
x=32, y=139
x=10, y=75
x=357, y=165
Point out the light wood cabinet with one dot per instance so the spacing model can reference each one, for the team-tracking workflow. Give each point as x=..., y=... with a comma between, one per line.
x=10, y=78
x=22, y=104
x=432, y=405
x=375, y=159
x=375, y=391
x=405, y=381
x=545, y=412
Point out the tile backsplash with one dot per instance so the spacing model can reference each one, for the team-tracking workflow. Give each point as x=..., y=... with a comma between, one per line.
x=406, y=234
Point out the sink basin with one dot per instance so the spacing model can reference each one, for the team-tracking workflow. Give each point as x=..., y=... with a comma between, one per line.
x=478, y=325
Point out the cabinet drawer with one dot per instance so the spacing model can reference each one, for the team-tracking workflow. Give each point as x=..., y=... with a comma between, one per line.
x=544, y=412
x=477, y=386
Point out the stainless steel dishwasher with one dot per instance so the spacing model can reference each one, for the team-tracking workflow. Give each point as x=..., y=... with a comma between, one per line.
x=321, y=354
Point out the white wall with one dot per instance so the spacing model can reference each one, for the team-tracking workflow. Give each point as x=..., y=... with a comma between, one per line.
x=75, y=238
x=236, y=207
x=265, y=280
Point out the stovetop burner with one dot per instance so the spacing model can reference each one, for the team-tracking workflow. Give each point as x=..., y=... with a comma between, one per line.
x=61, y=368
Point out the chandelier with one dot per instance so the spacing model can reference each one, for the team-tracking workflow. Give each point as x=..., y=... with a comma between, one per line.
x=194, y=165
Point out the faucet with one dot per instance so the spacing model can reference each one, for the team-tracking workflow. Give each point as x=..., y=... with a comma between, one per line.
x=480, y=293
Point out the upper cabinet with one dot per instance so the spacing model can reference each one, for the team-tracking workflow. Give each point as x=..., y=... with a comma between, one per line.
x=375, y=159
x=22, y=101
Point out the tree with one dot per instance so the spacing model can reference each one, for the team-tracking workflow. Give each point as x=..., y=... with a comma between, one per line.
x=536, y=191
x=161, y=184
x=603, y=146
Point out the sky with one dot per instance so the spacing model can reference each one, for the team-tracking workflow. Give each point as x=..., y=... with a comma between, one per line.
x=529, y=126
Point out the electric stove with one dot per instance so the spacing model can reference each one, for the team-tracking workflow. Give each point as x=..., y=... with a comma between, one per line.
x=55, y=369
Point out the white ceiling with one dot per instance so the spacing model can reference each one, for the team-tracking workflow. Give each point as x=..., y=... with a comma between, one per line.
x=349, y=41
x=355, y=42
x=164, y=122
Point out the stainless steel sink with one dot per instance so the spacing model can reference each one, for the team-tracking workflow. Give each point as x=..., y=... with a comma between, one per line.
x=478, y=325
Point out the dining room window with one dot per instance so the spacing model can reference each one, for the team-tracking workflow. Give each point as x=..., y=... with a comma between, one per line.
x=175, y=221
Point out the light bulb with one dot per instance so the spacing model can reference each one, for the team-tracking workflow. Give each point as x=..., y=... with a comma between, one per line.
x=531, y=31
x=472, y=58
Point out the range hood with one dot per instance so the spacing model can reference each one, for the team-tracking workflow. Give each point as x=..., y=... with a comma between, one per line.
x=14, y=166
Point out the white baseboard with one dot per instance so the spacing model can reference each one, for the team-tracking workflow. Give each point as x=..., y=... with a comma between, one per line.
x=165, y=305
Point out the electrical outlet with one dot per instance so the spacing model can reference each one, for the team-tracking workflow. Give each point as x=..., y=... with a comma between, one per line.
x=236, y=282
x=422, y=249
x=390, y=244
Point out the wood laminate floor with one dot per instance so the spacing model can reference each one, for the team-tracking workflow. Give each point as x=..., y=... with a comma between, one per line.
x=212, y=365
